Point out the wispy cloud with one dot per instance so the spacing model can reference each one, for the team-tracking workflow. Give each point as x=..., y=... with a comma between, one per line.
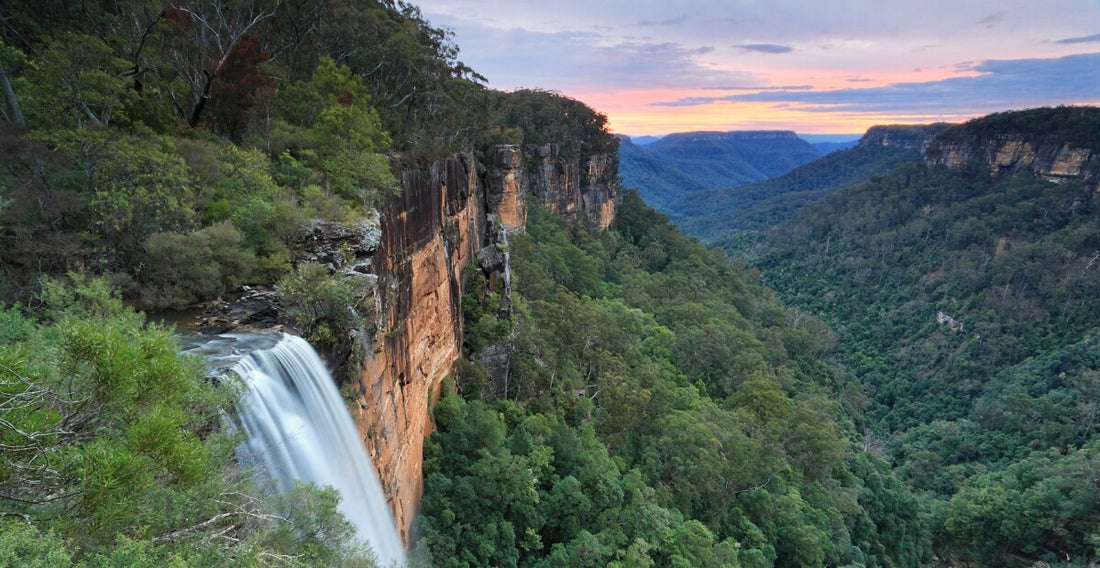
x=1001, y=84
x=677, y=21
x=621, y=55
x=992, y=19
x=764, y=48
x=1085, y=39
x=575, y=60
x=758, y=88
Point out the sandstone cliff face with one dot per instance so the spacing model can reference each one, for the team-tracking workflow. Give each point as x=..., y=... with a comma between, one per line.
x=572, y=187
x=437, y=227
x=1015, y=154
x=904, y=137
x=1056, y=144
x=504, y=186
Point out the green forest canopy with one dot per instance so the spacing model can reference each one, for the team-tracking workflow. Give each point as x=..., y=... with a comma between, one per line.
x=965, y=305
x=660, y=408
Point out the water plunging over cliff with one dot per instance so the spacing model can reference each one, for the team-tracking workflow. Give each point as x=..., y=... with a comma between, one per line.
x=299, y=428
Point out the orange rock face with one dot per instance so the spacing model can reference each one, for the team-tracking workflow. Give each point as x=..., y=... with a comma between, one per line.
x=429, y=235
x=1013, y=154
x=505, y=179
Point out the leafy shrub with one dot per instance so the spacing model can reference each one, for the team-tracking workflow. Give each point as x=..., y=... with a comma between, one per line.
x=112, y=453
x=182, y=269
x=324, y=305
x=135, y=185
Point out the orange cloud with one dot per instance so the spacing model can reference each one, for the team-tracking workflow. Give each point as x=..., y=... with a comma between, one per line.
x=633, y=112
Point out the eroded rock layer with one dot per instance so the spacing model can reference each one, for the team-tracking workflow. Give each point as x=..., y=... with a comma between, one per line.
x=429, y=235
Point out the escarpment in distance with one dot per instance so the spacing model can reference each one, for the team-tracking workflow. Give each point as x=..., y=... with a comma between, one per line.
x=1055, y=144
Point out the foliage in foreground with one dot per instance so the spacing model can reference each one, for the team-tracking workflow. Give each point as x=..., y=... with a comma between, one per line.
x=114, y=452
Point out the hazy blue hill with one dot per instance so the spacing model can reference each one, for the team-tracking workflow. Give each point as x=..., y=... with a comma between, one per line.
x=734, y=158
x=725, y=216
x=830, y=147
x=682, y=163
x=713, y=214
x=662, y=181
x=644, y=140
x=829, y=143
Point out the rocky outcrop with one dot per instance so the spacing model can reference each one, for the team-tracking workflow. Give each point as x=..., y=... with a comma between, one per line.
x=338, y=246
x=1014, y=154
x=903, y=136
x=1054, y=143
x=456, y=214
x=504, y=185
x=573, y=186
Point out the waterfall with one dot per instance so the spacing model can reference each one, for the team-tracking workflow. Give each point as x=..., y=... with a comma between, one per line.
x=299, y=429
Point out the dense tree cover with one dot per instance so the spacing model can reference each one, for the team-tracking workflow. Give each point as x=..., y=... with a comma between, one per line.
x=966, y=306
x=112, y=452
x=545, y=117
x=719, y=217
x=658, y=408
x=177, y=149
x=111, y=172
x=660, y=181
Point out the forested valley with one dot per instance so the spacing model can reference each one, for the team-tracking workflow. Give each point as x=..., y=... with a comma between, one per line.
x=964, y=304
x=661, y=406
x=662, y=409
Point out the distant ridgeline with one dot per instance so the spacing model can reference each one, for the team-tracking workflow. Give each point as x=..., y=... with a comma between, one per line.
x=717, y=214
x=1053, y=143
x=965, y=293
x=687, y=162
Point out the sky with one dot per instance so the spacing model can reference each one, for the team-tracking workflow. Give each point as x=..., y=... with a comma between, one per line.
x=815, y=67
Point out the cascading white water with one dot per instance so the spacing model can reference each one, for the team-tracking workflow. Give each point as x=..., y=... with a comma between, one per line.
x=299, y=428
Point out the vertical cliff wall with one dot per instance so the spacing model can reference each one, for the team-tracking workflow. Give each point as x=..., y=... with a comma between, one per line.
x=1056, y=144
x=442, y=219
x=572, y=187
x=1014, y=153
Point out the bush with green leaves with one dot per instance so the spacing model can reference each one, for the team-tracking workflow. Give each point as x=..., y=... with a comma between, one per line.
x=113, y=452
x=326, y=307
x=182, y=269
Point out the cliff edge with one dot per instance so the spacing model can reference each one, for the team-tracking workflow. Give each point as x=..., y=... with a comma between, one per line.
x=1054, y=143
x=443, y=218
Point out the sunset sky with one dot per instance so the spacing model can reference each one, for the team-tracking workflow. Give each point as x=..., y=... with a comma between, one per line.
x=814, y=67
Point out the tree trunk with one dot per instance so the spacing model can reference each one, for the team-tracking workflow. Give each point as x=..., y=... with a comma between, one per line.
x=13, y=103
x=196, y=111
